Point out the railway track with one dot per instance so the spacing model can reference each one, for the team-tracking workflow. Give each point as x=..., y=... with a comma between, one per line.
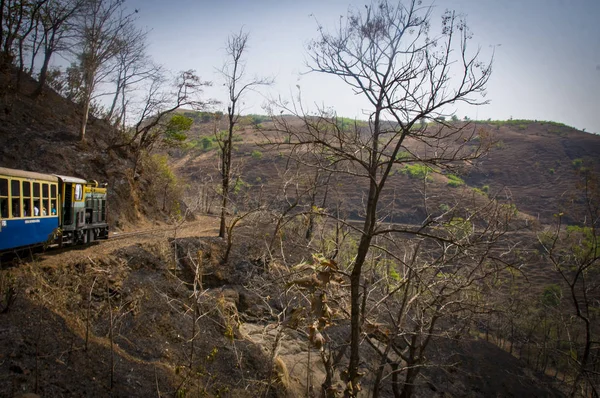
x=164, y=230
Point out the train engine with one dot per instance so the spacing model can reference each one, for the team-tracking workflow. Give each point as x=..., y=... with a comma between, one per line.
x=83, y=212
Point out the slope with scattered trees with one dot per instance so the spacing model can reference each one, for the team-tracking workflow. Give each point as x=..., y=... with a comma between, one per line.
x=394, y=256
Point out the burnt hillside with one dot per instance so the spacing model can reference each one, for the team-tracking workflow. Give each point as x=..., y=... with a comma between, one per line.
x=41, y=135
x=532, y=164
x=163, y=315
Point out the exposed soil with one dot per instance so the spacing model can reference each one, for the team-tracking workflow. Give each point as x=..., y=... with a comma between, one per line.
x=530, y=165
x=132, y=299
x=126, y=305
x=130, y=316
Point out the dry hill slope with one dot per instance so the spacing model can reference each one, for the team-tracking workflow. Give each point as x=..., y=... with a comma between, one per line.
x=118, y=318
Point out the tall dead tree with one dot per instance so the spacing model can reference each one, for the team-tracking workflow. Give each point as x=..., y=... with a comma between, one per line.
x=29, y=25
x=99, y=39
x=133, y=66
x=387, y=54
x=237, y=83
x=56, y=21
x=18, y=19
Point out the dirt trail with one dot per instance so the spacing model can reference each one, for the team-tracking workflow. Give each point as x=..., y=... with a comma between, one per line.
x=202, y=226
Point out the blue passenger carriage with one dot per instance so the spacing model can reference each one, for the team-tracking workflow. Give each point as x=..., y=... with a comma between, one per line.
x=40, y=208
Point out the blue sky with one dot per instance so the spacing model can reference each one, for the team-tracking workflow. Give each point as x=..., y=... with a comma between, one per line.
x=546, y=66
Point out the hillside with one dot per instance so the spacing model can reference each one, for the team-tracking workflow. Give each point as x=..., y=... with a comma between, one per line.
x=118, y=319
x=161, y=315
x=532, y=164
x=42, y=135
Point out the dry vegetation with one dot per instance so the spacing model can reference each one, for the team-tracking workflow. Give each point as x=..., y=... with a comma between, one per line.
x=250, y=336
x=417, y=257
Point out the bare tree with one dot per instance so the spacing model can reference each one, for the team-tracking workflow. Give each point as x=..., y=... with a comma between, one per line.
x=133, y=67
x=235, y=80
x=155, y=120
x=387, y=54
x=29, y=25
x=99, y=30
x=18, y=19
x=574, y=253
x=56, y=20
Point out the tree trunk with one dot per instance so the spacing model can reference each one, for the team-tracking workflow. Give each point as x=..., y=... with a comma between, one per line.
x=379, y=374
x=409, y=383
x=224, y=194
x=361, y=255
x=226, y=170
x=84, y=120
x=43, y=75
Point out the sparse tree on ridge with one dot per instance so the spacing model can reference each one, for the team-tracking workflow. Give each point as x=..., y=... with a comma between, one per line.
x=56, y=20
x=17, y=20
x=155, y=122
x=28, y=25
x=237, y=84
x=133, y=66
x=99, y=40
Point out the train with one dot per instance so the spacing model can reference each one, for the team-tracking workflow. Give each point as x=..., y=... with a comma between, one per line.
x=50, y=209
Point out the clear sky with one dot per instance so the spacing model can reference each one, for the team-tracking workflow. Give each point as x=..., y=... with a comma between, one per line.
x=546, y=66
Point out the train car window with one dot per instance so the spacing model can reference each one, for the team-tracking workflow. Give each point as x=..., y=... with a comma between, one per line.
x=15, y=194
x=27, y=208
x=37, y=205
x=15, y=187
x=53, y=208
x=3, y=207
x=3, y=198
x=78, y=192
x=16, y=207
x=3, y=187
x=45, y=200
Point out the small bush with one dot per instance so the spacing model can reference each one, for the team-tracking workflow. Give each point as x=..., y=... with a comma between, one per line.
x=552, y=171
x=257, y=154
x=510, y=208
x=577, y=164
x=206, y=143
x=455, y=181
x=240, y=185
x=551, y=296
x=403, y=155
x=479, y=191
x=166, y=190
x=417, y=171
x=459, y=227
